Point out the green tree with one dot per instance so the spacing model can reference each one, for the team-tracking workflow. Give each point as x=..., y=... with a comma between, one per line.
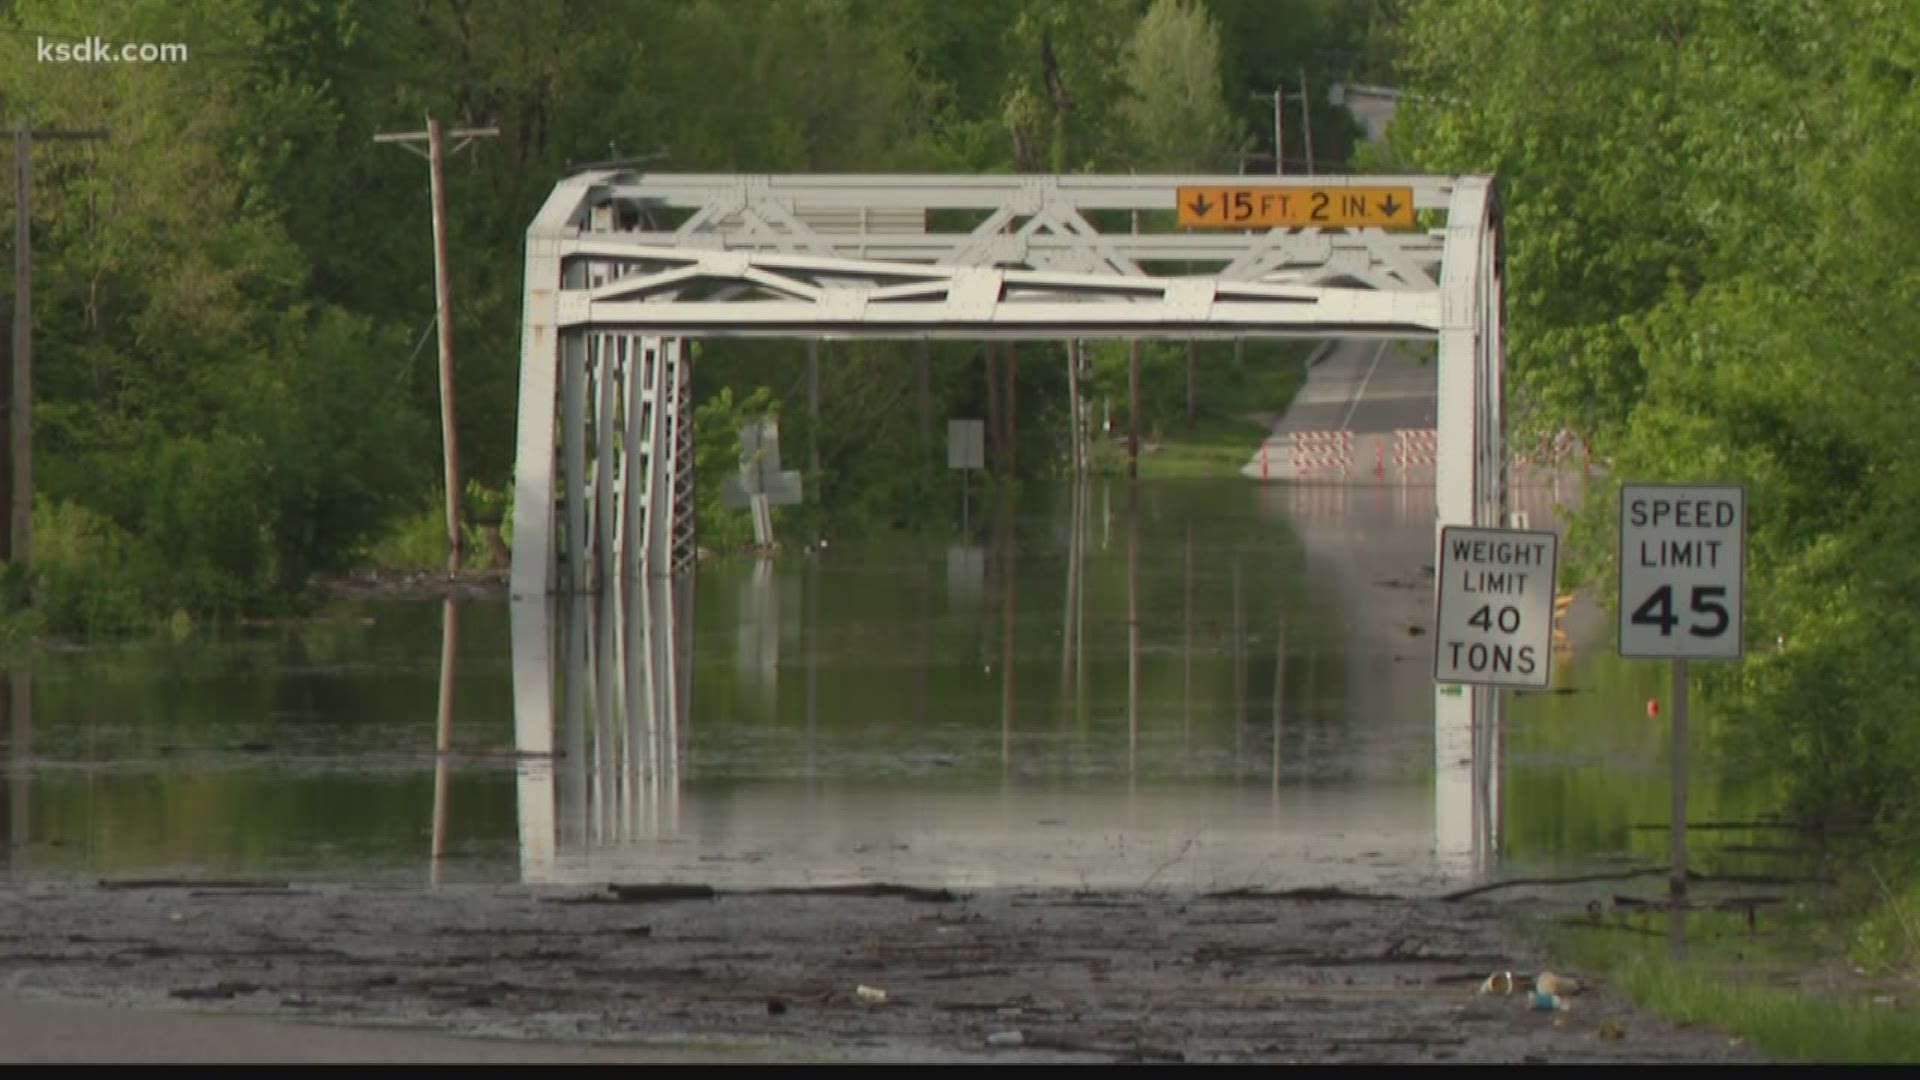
x=1173, y=117
x=1689, y=189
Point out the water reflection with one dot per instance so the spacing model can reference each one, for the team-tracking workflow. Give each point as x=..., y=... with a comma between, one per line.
x=16, y=695
x=1157, y=744
x=443, y=732
x=1194, y=685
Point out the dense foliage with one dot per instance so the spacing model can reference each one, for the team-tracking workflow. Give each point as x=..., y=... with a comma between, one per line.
x=1705, y=205
x=234, y=292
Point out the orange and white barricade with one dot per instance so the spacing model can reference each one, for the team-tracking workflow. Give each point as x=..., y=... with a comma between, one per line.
x=1416, y=448
x=1322, y=451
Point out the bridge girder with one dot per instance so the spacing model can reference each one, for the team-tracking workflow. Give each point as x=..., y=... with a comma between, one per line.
x=655, y=259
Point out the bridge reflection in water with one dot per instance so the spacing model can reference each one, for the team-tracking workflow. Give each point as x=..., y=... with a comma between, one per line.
x=602, y=689
x=1169, y=747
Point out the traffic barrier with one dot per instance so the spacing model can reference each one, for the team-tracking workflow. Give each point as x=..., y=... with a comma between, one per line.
x=1415, y=447
x=1551, y=452
x=1322, y=451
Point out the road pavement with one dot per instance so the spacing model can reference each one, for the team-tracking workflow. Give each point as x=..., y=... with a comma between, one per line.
x=1365, y=388
x=56, y=1032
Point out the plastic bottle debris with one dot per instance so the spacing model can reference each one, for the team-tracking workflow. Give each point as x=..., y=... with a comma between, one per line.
x=1500, y=982
x=1543, y=1001
x=1006, y=1038
x=872, y=995
x=1556, y=984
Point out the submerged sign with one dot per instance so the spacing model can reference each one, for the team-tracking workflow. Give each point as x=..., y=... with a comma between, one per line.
x=1682, y=563
x=1273, y=206
x=1494, y=624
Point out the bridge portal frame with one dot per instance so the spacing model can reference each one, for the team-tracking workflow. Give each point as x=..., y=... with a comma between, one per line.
x=623, y=268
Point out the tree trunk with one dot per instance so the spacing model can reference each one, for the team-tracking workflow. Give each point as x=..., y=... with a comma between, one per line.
x=923, y=379
x=1012, y=411
x=1073, y=403
x=993, y=406
x=1193, y=385
x=1133, y=409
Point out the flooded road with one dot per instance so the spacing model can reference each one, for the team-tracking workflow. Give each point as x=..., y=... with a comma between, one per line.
x=1195, y=686
x=1111, y=757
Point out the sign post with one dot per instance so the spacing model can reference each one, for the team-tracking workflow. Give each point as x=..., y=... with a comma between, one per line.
x=1492, y=627
x=1682, y=568
x=761, y=482
x=966, y=450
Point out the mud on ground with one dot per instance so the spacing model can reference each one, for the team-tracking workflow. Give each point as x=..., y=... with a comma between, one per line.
x=1092, y=977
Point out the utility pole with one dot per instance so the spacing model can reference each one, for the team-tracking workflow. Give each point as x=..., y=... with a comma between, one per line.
x=6, y=451
x=1306, y=119
x=1279, y=129
x=442, y=305
x=813, y=409
x=20, y=532
x=1279, y=99
x=1133, y=393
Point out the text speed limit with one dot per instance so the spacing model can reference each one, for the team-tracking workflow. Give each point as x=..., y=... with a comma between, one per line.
x=1682, y=565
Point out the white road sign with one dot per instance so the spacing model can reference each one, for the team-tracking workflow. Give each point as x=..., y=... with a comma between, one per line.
x=1494, y=626
x=1683, y=555
x=966, y=444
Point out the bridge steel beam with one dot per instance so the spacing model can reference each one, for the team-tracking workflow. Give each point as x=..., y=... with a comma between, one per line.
x=624, y=270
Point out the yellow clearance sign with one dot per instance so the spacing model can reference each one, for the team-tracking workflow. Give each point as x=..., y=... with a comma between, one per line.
x=1270, y=206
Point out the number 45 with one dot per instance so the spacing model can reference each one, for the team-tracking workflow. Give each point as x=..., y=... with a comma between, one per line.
x=1657, y=610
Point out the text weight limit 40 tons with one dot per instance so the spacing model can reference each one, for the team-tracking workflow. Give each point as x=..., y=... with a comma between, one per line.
x=1494, y=620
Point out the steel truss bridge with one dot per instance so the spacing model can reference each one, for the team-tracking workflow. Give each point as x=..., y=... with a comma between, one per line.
x=625, y=269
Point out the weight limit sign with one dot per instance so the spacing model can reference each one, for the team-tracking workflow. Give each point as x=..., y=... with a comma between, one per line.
x=1494, y=624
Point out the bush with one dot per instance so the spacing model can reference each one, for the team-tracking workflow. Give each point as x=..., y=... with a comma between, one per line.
x=92, y=577
x=417, y=540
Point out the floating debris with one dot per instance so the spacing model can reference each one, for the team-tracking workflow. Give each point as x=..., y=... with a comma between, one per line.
x=1006, y=1038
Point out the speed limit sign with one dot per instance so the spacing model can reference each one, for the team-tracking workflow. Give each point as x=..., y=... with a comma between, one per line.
x=1682, y=561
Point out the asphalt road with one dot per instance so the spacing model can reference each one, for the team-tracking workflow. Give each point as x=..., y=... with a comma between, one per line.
x=1366, y=388
x=47, y=1032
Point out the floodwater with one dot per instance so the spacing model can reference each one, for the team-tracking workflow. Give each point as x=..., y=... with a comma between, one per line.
x=1196, y=685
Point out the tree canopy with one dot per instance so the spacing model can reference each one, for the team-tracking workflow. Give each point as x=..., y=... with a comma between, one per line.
x=1705, y=277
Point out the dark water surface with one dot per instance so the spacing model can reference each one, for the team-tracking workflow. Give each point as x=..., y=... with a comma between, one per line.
x=1201, y=685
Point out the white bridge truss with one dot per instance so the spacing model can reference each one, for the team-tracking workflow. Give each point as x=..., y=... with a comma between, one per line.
x=623, y=268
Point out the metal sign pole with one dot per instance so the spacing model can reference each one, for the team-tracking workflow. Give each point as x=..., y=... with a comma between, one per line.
x=1682, y=569
x=1677, y=834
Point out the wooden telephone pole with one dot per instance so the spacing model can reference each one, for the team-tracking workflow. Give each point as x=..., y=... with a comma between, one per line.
x=449, y=439
x=20, y=506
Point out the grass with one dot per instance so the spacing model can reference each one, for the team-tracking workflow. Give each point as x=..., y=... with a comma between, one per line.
x=418, y=541
x=1218, y=446
x=1794, y=991
x=1227, y=432
x=1786, y=1023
